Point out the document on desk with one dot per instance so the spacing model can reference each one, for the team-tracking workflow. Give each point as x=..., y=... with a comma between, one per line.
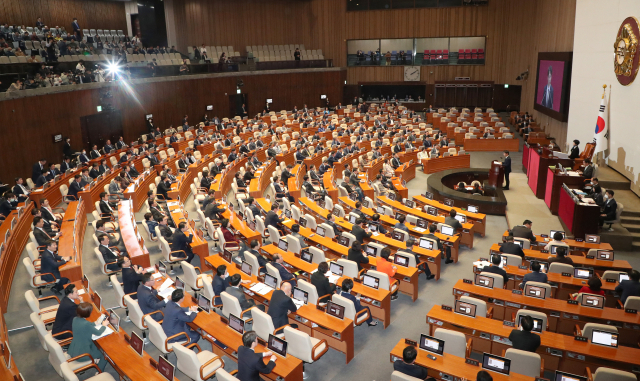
x=298, y=303
x=573, y=173
x=166, y=293
x=174, y=203
x=108, y=331
x=260, y=288
x=420, y=230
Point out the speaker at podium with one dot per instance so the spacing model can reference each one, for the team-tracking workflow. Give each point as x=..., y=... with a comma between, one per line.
x=496, y=174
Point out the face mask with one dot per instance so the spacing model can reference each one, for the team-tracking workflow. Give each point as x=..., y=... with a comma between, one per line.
x=606, y=196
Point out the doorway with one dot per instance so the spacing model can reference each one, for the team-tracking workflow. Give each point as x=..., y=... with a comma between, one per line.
x=235, y=105
x=98, y=128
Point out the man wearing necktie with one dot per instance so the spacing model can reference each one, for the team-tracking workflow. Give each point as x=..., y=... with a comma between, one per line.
x=547, y=97
x=20, y=190
x=50, y=262
x=112, y=259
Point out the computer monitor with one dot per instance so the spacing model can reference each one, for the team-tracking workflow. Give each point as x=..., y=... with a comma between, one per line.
x=370, y=250
x=604, y=338
x=366, y=204
x=431, y=344
x=591, y=300
x=398, y=215
x=336, y=211
x=537, y=323
x=401, y=260
x=370, y=281
x=582, y=273
x=447, y=230
x=410, y=203
x=472, y=209
x=226, y=255
x=320, y=231
x=535, y=291
x=496, y=363
x=399, y=236
x=622, y=276
x=352, y=219
x=483, y=281
x=428, y=195
x=136, y=343
x=240, y=215
x=162, y=267
x=426, y=244
x=114, y=320
x=342, y=240
x=464, y=308
x=277, y=345
x=302, y=222
x=204, y=304
x=373, y=227
x=246, y=268
x=236, y=324
x=165, y=368
x=352, y=197
x=553, y=232
x=591, y=238
x=306, y=255
x=320, y=203
x=554, y=249
x=564, y=376
x=604, y=255
x=335, y=310
x=252, y=225
x=404, y=183
x=179, y=283
x=432, y=211
x=85, y=282
x=336, y=269
x=448, y=202
x=270, y=281
x=461, y=218
x=97, y=300
x=380, y=210
x=283, y=245
x=422, y=223
x=392, y=196
x=300, y=295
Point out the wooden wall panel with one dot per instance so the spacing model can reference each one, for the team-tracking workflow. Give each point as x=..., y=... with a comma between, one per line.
x=91, y=14
x=29, y=123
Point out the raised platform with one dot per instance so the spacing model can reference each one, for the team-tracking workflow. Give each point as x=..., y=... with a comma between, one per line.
x=611, y=179
x=441, y=185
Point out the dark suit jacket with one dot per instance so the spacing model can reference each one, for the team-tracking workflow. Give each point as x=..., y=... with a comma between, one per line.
x=524, y=341
x=507, y=164
x=522, y=231
x=181, y=242
x=453, y=223
x=149, y=302
x=359, y=233
x=272, y=219
x=412, y=370
x=628, y=288
x=42, y=237
x=49, y=264
x=164, y=189
x=575, y=152
x=610, y=207
x=251, y=364
x=219, y=285
x=496, y=270
x=588, y=172
x=279, y=308
x=64, y=316
x=355, y=301
x=74, y=188
x=105, y=208
x=109, y=257
x=511, y=248
x=94, y=154
x=323, y=287
x=175, y=320
x=166, y=232
x=41, y=180
x=284, y=273
x=357, y=257
x=130, y=279
x=36, y=171
x=241, y=296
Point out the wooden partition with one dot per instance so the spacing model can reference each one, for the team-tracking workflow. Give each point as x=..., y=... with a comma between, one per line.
x=70, y=244
x=12, y=247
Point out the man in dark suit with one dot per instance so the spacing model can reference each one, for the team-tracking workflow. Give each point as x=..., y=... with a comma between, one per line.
x=111, y=258
x=272, y=218
x=347, y=285
x=66, y=312
x=95, y=171
x=451, y=220
x=50, y=261
x=547, y=96
x=235, y=291
x=407, y=364
x=42, y=179
x=331, y=222
x=495, y=268
x=285, y=274
x=444, y=142
x=535, y=275
x=588, y=170
x=176, y=318
x=321, y=282
x=94, y=154
x=281, y=306
x=120, y=144
x=220, y=282
x=524, y=231
x=164, y=186
x=148, y=298
x=75, y=187
x=510, y=247
x=165, y=230
x=132, y=275
x=21, y=190
x=575, y=150
x=39, y=232
x=630, y=287
x=610, y=207
x=106, y=209
x=524, y=339
x=37, y=169
x=507, y=169
x=250, y=363
x=66, y=164
x=360, y=231
x=108, y=147
x=84, y=158
x=76, y=29
x=182, y=241
x=395, y=162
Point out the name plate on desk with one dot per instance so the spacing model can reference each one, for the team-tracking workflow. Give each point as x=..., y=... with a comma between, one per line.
x=573, y=302
x=472, y=362
x=630, y=311
x=357, y=280
x=579, y=240
x=508, y=323
x=484, y=259
x=411, y=342
x=523, y=267
x=446, y=308
x=609, y=280
x=581, y=338
x=319, y=307
x=516, y=292
x=544, y=251
x=591, y=257
x=467, y=281
x=566, y=274
x=224, y=320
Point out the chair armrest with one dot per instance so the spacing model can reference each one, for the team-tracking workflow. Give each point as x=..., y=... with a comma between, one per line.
x=619, y=304
x=541, y=366
x=61, y=333
x=198, y=268
x=189, y=346
x=280, y=329
x=361, y=272
x=87, y=367
x=40, y=275
x=81, y=356
x=166, y=342
x=109, y=272
x=324, y=297
x=206, y=364
x=233, y=372
x=150, y=313
x=50, y=297
x=171, y=258
x=245, y=311
x=577, y=331
x=394, y=283
x=490, y=312
x=125, y=304
x=326, y=348
x=589, y=374
x=469, y=345
x=362, y=312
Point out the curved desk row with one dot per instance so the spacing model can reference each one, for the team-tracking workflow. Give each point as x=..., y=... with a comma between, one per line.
x=71, y=242
x=14, y=233
x=479, y=219
x=443, y=163
x=512, y=145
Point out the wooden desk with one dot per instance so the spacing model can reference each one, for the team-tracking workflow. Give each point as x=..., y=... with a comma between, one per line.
x=562, y=317
x=91, y=194
x=129, y=234
x=554, y=187
x=72, y=239
x=403, y=192
x=443, y=163
x=378, y=301
x=538, y=162
x=450, y=365
x=512, y=145
x=258, y=186
x=328, y=181
x=287, y=157
x=599, y=266
x=478, y=219
x=138, y=193
x=573, y=244
x=407, y=172
x=52, y=193
x=13, y=248
x=466, y=237
x=198, y=244
x=579, y=217
x=12, y=371
x=561, y=352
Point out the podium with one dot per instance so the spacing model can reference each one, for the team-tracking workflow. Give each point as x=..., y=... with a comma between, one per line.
x=496, y=174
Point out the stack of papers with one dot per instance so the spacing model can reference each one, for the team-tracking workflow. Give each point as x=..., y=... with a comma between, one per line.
x=481, y=264
x=332, y=277
x=573, y=173
x=298, y=303
x=107, y=331
x=166, y=288
x=420, y=230
x=261, y=289
x=174, y=203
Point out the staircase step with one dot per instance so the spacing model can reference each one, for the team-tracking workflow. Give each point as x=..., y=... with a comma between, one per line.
x=631, y=213
x=630, y=219
x=636, y=236
x=632, y=228
x=636, y=244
